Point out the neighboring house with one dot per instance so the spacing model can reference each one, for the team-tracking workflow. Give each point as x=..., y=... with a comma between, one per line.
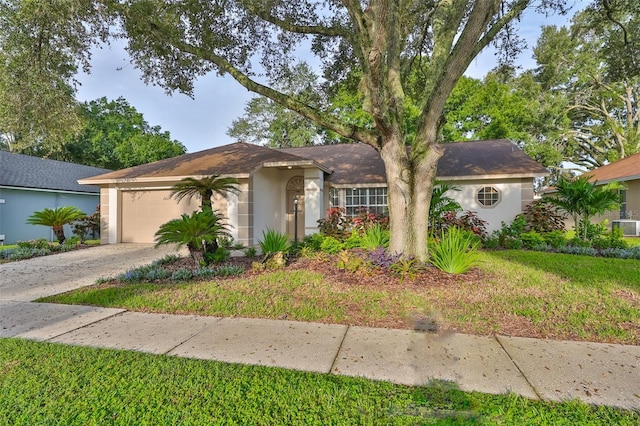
x=626, y=171
x=496, y=178
x=29, y=184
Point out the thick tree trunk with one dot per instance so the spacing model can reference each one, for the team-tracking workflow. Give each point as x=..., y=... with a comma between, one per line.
x=409, y=196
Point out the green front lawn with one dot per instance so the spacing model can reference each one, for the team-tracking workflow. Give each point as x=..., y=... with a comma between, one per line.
x=42, y=383
x=521, y=293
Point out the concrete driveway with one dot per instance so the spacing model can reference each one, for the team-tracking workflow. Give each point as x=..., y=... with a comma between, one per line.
x=30, y=279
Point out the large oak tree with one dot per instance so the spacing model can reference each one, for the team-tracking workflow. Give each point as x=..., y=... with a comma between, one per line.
x=255, y=41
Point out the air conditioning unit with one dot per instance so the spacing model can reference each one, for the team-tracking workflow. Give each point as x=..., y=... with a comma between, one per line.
x=630, y=228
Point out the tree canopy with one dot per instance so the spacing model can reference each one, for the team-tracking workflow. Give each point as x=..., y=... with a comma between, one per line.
x=594, y=64
x=43, y=44
x=117, y=136
x=408, y=56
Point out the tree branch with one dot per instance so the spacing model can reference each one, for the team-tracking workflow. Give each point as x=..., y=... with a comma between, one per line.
x=351, y=132
x=264, y=14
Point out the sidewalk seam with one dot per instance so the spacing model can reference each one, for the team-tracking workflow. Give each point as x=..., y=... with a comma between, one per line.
x=335, y=358
x=206, y=327
x=513, y=361
x=117, y=314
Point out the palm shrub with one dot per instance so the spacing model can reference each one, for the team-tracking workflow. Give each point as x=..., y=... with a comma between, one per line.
x=583, y=199
x=442, y=204
x=197, y=231
x=56, y=219
x=273, y=242
x=455, y=252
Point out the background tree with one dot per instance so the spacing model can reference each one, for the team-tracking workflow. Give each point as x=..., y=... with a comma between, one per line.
x=174, y=42
x=266, y=122
x=43, y=45
x=117, y=136
x=56, y=219
x=594, y=63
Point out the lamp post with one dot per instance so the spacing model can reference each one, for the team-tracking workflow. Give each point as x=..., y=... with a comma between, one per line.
x=295, y=220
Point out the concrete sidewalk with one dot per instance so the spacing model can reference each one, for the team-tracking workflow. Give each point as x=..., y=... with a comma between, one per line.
x=595, y=373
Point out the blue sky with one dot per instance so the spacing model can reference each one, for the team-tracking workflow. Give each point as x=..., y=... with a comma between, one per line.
x=202, y=122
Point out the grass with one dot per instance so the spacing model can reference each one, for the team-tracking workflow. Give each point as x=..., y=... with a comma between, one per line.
x=43, y=383
x=547, y=295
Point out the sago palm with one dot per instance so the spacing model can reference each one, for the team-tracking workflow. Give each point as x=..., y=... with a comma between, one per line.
x=204, y=188
x=198, y=232
x=56, y=219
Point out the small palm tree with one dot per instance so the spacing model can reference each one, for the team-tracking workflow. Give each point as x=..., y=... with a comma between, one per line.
x=441, y=204
x=56, y=219
x=204, y=188
x=582, y=199
x=198, y=232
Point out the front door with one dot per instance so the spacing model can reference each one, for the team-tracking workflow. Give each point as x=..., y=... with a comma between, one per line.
x=295, y=191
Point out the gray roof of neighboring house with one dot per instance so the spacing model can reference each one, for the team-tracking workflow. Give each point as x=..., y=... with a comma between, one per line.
x=346, y=163
x=24, y=171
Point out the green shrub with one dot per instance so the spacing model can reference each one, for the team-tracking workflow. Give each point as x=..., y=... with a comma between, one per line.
x=274, y=242
x=349, y=261
x=354, y=241
x=612, y=240
x=250, y=252
x=406, y=268
x=592, y=232
x=456, y=252
x=513, y=230
x=492, y=242
x=331, y=245
x=313, y=241
x=531, y=239
x=512, y=243
x=374, y=236
x=72, y=241
x=220, y=255
x=556, y=239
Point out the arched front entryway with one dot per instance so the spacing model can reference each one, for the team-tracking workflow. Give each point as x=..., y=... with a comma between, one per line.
x=295, y=191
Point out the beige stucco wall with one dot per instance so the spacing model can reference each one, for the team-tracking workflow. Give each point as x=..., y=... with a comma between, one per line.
x=632, y=210
x=515, y=194
x=269, y=186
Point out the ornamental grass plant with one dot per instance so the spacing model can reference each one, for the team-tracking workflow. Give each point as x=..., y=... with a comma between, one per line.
x=455, y=252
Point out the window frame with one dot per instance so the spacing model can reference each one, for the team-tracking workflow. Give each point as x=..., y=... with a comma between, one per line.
x=494, y=196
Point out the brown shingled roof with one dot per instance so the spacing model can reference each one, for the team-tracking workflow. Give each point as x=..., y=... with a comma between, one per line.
x=236, y=159
x=360, y=163
x=346, y=164
x=495, y=157
x=622, y=170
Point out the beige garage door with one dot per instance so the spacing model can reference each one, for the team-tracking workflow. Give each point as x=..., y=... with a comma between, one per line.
x=144, y=211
